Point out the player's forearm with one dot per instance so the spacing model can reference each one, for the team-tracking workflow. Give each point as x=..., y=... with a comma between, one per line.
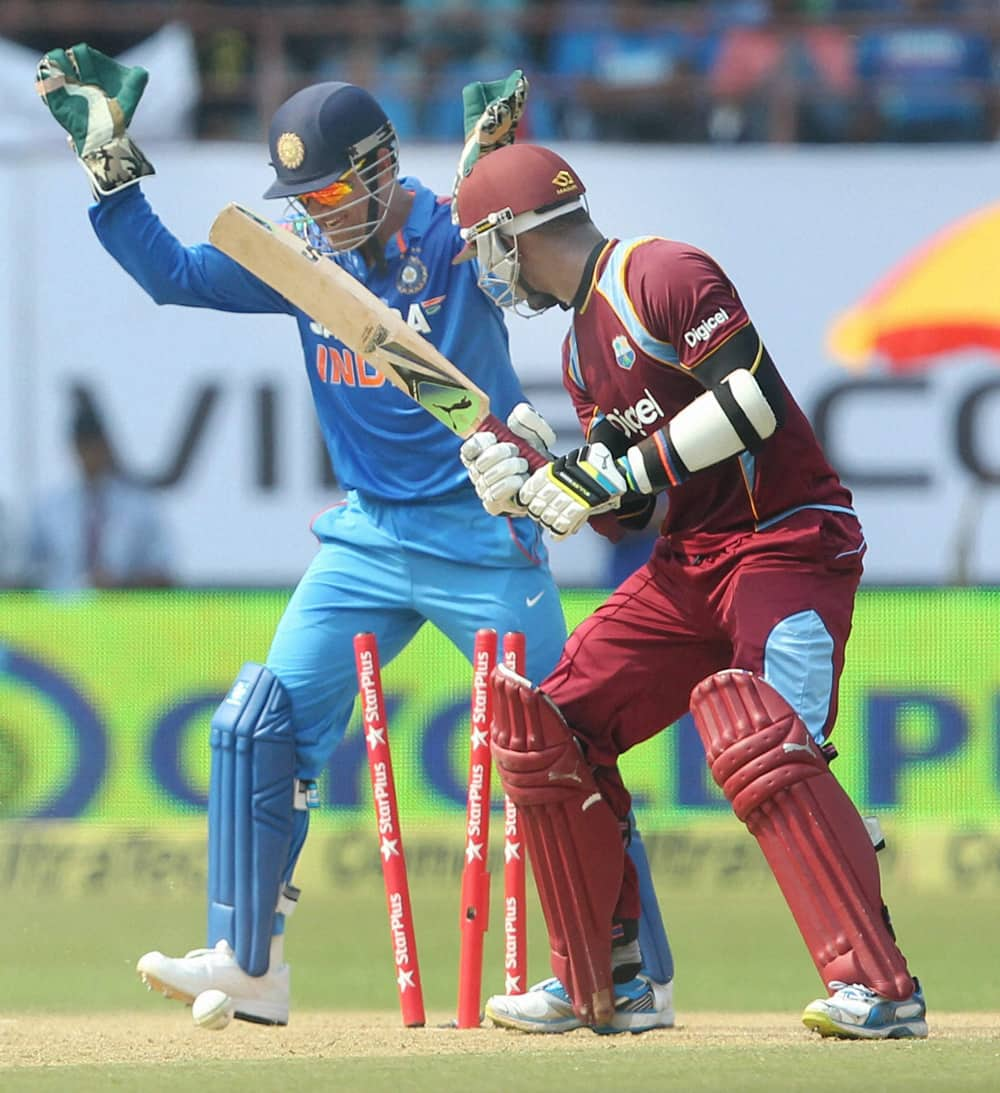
x=633, y=515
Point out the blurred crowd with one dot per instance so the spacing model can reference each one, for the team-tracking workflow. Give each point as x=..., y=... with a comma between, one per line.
x=713, y=71
x=721, y=70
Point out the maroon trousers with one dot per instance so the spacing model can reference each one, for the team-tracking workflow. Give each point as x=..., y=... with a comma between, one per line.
x=627, y=671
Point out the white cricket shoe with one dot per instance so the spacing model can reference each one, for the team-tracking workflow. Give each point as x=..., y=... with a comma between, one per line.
x=856, y=1012
x=640, y=1005
x=263, y=999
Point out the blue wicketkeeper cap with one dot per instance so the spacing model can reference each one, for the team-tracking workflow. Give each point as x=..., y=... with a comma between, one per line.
x=320, y=133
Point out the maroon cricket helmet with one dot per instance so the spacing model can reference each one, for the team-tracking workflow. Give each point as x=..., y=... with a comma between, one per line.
x=515, y=188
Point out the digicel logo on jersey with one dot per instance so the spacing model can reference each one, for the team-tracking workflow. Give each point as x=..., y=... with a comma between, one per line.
x=634, y=419
x=703, y=331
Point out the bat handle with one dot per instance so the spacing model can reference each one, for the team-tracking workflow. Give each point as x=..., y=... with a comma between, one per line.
x=495, y=426
x=605, y=523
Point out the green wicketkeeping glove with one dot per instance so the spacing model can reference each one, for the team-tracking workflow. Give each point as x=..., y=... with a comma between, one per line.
x=93, y=98
x=492, y=111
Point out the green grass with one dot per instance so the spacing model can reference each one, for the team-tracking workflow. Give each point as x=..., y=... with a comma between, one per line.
x=811, y=1068
x=735, y=949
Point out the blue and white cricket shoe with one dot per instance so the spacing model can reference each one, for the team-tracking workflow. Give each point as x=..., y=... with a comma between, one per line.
x=855, y=1012
x=640, y=1005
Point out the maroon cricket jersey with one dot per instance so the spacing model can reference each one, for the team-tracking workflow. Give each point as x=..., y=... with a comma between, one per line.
x=655, y=311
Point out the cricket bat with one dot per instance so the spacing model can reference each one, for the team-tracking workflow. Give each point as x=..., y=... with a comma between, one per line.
x=368, y=327
x=363, y=322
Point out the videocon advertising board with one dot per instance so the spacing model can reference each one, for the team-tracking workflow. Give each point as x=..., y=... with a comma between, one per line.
x=872, y=288
x=105, y=703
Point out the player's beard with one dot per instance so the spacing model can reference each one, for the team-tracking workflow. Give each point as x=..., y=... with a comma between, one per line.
x=536, y=300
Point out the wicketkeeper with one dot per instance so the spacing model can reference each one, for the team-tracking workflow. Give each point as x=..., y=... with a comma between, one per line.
x=411, y=543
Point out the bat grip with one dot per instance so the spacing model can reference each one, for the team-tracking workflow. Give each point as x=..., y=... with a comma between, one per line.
x=605, y=523
x=495, y=426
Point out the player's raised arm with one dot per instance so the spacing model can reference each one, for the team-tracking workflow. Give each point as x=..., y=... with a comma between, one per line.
x=94, y=98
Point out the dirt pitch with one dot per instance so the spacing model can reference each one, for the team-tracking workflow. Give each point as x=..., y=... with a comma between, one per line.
x=45, y=1041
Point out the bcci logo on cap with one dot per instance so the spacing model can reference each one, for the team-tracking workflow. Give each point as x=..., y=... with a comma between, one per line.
x=291, y=151
x=564, y=182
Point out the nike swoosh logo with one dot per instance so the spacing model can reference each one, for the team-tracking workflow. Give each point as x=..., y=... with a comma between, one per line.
x=532, y=600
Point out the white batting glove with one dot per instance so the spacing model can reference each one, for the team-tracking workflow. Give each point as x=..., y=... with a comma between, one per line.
x=565, y=494
x=527, y=423
x=497, y=469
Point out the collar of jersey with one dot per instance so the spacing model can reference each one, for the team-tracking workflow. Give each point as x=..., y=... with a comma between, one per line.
x=590, y=273
x=419, y=220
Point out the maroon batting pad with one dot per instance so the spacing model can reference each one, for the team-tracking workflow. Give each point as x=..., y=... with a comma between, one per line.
x=573, y=839
x=779, y=783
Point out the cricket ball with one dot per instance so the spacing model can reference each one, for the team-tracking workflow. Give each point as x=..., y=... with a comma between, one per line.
x=212, y=1009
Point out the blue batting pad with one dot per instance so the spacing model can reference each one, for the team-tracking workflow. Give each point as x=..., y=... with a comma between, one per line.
x=250, y=814
x=657, y=959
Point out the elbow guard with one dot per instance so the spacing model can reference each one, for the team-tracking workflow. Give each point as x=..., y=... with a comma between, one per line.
x=735, y=416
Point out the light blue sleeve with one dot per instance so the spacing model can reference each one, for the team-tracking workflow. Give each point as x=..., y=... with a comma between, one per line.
x=171, y=273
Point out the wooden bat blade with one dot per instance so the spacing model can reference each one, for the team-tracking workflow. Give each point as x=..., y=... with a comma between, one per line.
x=363, y=322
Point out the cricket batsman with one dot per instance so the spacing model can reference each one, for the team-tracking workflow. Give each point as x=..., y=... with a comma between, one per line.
x=741, y=614
x=410, y=545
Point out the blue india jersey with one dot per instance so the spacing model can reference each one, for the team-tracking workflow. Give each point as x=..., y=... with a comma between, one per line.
x=380, y=442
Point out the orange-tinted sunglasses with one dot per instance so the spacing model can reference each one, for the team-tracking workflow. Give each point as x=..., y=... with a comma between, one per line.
x=330, y=195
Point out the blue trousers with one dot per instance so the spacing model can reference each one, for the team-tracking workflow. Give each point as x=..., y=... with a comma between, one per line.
x=389, y=569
